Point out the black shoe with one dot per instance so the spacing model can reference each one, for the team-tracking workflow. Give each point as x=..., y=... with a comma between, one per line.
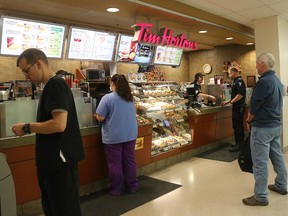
x=235, y=148
x=251, y=201
x=272, y=187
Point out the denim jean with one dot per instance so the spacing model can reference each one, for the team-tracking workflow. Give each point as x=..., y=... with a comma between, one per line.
x=266, y=143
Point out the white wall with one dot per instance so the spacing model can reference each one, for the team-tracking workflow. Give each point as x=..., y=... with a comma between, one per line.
x=283, y=56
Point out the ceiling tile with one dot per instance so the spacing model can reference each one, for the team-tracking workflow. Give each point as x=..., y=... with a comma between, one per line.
x=258, y=13
x=236, y=5
x=269, y=2
x=281, y=7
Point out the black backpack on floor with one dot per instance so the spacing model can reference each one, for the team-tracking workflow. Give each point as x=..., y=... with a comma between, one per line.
x=244, y=157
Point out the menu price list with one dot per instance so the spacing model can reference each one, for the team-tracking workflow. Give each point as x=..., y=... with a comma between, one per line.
x=91, y=45
x=168, y=55
x=19, y=35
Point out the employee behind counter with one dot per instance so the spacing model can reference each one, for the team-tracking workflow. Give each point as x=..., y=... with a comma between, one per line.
x=198, y=92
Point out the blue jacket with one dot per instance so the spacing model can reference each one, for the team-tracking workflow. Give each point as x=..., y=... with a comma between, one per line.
x=266, y=101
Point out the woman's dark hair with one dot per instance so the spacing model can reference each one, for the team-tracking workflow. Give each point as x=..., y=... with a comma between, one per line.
x=122, y=87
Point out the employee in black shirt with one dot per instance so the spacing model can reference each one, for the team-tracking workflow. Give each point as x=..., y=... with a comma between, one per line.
x=238, y=95
x=197, y=86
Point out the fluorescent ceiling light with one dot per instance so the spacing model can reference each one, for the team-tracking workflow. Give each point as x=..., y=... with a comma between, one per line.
x=112, y=10
x=202, y=32
x=229, y=38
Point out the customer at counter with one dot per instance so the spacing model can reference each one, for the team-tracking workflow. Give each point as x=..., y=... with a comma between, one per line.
x=58, y=139
x=238, y=95
x=117, y=113
x=197, y=87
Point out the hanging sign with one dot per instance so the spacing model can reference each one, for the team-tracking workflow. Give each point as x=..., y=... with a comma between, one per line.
x=165, y=38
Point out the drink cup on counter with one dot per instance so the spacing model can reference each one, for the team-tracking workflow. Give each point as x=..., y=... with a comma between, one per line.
x=221, y=79
x=215, y=79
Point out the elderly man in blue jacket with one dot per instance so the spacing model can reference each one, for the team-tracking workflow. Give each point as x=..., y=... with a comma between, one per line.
x=265, y=123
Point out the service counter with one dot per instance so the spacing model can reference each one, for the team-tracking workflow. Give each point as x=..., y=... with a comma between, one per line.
x=208, y=129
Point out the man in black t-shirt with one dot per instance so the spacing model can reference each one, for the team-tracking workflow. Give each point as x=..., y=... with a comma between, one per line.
x=238, y=95
x=58, y=140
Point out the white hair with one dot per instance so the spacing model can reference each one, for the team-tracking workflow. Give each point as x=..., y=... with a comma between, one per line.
x=267, y=58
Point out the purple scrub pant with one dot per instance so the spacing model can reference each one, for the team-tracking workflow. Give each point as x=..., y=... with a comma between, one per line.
x=122, y=167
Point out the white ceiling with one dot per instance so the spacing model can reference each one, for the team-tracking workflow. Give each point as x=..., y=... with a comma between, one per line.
x=222, y=18
x=242, y=11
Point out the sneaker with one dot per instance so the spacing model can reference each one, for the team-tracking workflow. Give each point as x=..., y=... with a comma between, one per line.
x=272, y=187
x=251, y=201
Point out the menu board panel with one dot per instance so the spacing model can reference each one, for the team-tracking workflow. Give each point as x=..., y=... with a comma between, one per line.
x=129, y=51
x=19, y=35
x=165, y=55
x=91, y=45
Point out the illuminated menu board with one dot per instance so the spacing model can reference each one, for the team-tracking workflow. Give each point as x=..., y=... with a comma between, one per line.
x=132, y=52
x=165, y=55
x=19, y=35
x=91, y=45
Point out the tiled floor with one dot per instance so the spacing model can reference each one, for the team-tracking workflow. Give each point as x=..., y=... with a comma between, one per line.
x=210, y=188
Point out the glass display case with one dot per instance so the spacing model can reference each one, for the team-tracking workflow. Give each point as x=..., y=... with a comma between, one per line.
x=163, y=103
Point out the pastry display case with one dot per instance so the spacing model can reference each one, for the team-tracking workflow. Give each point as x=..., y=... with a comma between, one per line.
x=163, y=103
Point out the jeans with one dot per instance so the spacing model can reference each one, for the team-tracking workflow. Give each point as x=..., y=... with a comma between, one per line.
x=266, y=143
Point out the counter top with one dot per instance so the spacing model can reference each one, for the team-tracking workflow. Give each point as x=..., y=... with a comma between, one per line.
x=208, y=109
x=15, y=141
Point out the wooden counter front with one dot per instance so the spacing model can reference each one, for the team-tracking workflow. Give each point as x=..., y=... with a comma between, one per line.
x=224, y=126
x=143, y=155
x=203, y=128
x=211, y=127
x=21, y=160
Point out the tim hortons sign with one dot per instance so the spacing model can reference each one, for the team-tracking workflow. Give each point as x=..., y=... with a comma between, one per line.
x=165, y=38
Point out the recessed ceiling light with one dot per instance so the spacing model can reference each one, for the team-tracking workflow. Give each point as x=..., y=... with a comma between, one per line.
x=202, y=32
x=229, y=38
x=249, y=43
x=112, y=10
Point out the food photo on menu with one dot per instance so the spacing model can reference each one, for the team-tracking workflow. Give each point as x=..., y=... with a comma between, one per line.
x=133, y=52
x=20, y=34
x=126, y=49
x=144, y=53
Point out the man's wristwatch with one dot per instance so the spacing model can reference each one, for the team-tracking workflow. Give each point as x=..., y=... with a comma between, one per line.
x=26, y=128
